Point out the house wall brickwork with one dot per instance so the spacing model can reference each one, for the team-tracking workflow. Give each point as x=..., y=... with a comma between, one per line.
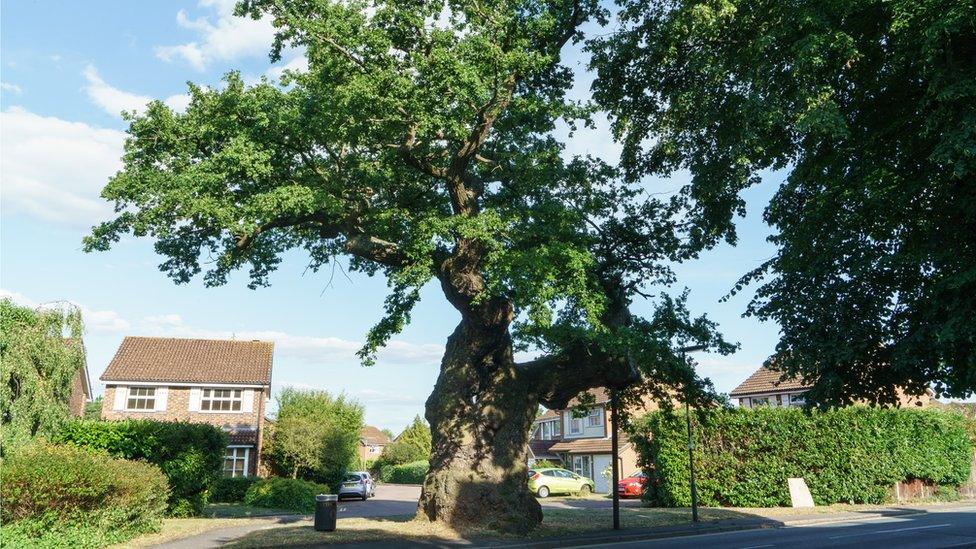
x=240, y=424
x=78, y=399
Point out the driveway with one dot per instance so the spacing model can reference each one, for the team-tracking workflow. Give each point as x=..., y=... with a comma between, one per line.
x=390, y=500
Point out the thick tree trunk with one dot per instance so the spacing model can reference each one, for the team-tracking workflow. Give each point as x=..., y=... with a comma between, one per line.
x=480, y=414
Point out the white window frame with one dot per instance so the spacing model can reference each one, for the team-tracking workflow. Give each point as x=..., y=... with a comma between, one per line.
x=246, y=458
x=575, y=425
x=796, y=399
x=232, y=399
x=148, y=398
x=594, y=418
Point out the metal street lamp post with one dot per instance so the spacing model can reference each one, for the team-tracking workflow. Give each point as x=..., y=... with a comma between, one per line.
x=691, y=442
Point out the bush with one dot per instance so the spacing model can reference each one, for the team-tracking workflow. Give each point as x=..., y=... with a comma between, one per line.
x=285, y=493
x=851, y=455
x=407, y=473
x=68, y=496
x=190, y=454
x=230, y=490
x=413, y=444
x=543, y=464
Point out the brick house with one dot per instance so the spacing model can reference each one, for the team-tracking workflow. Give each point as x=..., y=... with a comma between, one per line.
x=764, y=388
x=583, y=445
x=226, y=383
x=81, y=392
x=371, y=443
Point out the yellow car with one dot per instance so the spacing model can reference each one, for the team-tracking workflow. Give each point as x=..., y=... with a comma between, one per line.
x=543, y=482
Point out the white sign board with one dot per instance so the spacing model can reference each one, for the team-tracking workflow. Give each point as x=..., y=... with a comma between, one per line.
x=799, y=493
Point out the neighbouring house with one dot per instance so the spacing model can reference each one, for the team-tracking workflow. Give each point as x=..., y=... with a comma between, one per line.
x=226, y=383
x=371, y=443
x=583, y=445
x=764, y=388
x=81, y=392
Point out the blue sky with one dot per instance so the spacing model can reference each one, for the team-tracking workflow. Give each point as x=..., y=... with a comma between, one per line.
x=69, y=68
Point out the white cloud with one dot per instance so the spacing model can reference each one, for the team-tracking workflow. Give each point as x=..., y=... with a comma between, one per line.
x=298, y=63
x=53, y=169
x=324, y=350
x=221, y=36
x=94, y=320
x=12, y=88
x=114, y=101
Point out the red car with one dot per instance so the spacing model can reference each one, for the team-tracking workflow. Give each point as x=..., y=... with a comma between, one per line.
x=632, y=486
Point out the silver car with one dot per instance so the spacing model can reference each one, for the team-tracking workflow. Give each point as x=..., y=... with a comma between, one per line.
x=359, y=484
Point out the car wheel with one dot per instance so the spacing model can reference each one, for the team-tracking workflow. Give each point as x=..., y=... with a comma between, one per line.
x=585, y=490
x=543, y=492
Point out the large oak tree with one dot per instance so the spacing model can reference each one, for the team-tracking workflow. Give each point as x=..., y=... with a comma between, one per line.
x=420, y=145
x=870, y=105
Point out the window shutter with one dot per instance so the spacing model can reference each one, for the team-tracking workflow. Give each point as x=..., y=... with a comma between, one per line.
x=162, y=393
x=195, y=394
x=247, y=406
x=120, y=394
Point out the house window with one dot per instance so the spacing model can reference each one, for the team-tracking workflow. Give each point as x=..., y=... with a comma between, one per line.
x=235, y=462
x=764, y=401
x=575, y=426
x=221, y=400
x=594, y=418
x=557, y=428
x=581, y=466
x=797, y=399
x=141, y=398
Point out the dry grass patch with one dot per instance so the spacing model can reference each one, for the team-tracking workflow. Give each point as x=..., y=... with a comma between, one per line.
x=557, y=522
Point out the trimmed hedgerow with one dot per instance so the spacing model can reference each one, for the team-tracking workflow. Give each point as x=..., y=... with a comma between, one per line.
x=230, y=489
x=190, y=454
x=66, y=496
x=406, y=473
x=285, y=493
x=743, y=458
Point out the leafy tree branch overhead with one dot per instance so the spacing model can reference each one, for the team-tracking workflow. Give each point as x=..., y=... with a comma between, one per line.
x=420, y=145
x=870, y=105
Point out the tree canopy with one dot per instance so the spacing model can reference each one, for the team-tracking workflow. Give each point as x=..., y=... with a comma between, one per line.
x=870, y=106
x=420, y=145
x=315, y=435
x=40, y=354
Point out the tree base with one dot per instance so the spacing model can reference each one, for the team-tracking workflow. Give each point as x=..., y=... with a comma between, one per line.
x=464, y=498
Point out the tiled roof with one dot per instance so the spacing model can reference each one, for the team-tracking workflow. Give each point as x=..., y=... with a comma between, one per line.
x=372, y=435
x=765, y=380
x=242, y=437
x=588, y=445
x=541, y=449
x=548, y=414
x=600, y=396
x=191, y=361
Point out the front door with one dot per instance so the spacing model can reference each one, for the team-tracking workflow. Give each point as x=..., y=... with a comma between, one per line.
x=601, y=463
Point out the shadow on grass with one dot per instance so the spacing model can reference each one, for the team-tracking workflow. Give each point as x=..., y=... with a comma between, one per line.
x=557, y=523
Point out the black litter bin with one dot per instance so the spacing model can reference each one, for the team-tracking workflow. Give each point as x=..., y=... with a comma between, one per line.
x=325, y=512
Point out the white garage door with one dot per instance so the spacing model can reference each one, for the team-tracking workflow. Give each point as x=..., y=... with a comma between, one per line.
x=600, y=464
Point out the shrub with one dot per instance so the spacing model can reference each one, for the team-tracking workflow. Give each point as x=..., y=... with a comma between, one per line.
x=543, y=464
x=407, y=473
x=69, y=496
x=285, y=493
x=230, y=490
x=851, y=455
x=189, y=454
x=314, y=436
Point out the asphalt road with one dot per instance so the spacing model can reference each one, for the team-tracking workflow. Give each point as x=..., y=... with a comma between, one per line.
x=954, y=527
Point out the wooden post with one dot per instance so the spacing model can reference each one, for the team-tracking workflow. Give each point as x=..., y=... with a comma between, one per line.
x=615, y=457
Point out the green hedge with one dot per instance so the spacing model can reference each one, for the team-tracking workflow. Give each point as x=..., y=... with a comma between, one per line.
x=851, y=455
x=230, y=490
x=285, y=493
x=407, y=473
x=191, y=455
x=65, y=496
